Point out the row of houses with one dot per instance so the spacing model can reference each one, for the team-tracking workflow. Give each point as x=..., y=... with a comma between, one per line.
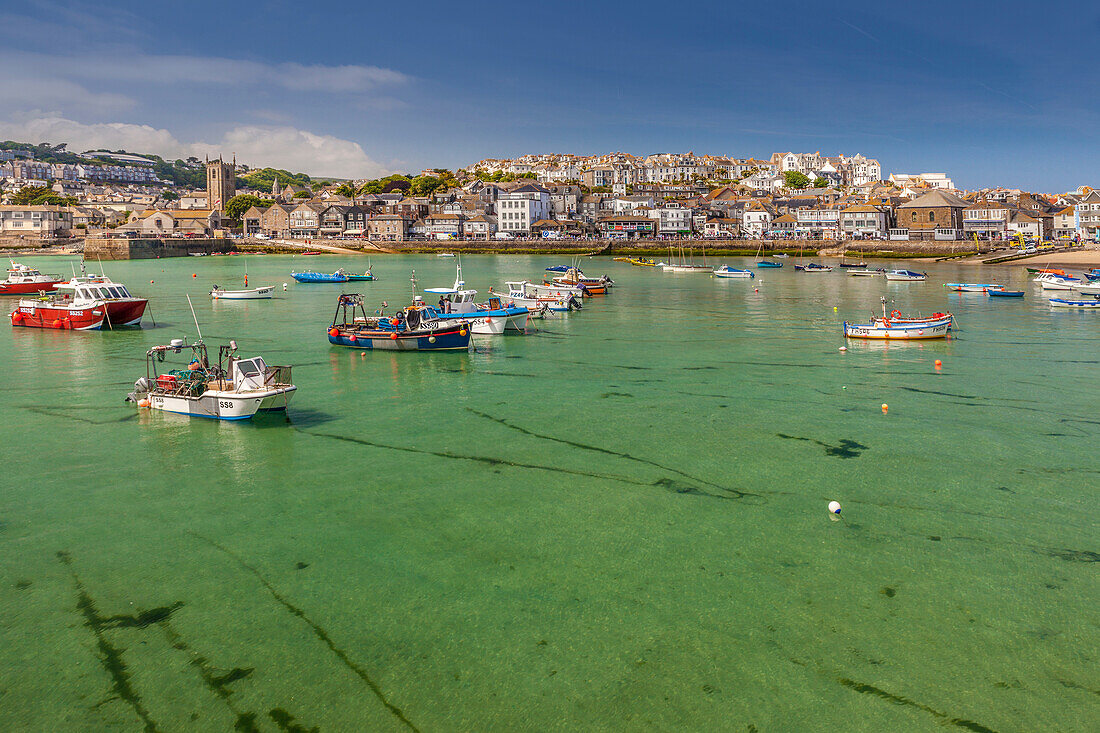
x=36, y=172
x=626, y=169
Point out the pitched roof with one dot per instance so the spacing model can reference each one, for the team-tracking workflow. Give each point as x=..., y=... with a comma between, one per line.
x=936, y=197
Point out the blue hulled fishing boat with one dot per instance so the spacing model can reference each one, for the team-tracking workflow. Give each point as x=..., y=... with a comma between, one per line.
x=320, y=277
x=414, y=328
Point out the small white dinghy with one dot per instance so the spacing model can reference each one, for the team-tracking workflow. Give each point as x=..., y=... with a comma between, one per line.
x=219, y=293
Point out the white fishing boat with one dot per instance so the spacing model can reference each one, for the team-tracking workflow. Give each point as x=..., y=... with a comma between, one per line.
x=491, y=318
x=1091, y=288
x=233, y=389
x=1051, y=281
x=219, y=293
x=550, y=290
x=905, y=276
x=896, y=327
x=445, y=254
x=866, y=273
x=732, y=272
x=523, y=293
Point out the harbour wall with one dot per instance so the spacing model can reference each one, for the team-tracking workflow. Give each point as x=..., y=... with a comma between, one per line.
x=134, y=248
x=654, y=247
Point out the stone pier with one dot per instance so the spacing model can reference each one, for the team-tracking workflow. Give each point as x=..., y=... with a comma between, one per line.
x=137, y=248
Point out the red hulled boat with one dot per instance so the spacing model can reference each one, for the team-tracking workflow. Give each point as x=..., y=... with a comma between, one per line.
x=86, y=303
x=22, y=280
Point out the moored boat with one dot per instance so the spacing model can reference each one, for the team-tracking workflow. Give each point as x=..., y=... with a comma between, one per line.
x=84, y=303
x=320, y=277
x=1005, y=293
x=768, y=263
x=414, y=328
x=22, y=280
x=524, y=294
x=1090, y=288
x=867, y=273
x=894, y=326
x=973, y=287
x=592, y=285
x=1050, y=281
x=262, y=293
x=905, y=276
x=234, y=389
x=732, y=272
x=642, y=262
x=813, y=267
x=367, y=276
x=1067, y=303
x=493, y=317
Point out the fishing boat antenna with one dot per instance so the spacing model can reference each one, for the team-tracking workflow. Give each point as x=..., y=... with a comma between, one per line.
x=191, y=305
x=414, y=281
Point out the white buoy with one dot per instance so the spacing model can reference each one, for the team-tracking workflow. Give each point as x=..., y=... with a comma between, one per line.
x=834, y=507
x=284, y=287
x=843, y=348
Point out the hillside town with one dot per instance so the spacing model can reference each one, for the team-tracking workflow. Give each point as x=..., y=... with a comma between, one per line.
x=611, y=197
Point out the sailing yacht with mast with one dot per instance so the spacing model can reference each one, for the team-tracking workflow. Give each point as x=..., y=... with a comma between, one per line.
x=682, y=265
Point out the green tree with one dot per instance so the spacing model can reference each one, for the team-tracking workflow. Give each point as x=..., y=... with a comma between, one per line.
x=40, y=196
x=242, y=202
x=345, y=189
x=794, y=179
x=820, y=182
x=169, y=195
x=303, y=195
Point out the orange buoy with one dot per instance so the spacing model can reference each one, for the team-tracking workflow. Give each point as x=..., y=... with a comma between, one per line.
x=353, y=338
x=885, y=407
x=462, y=332
x=393, y=336
x=193, y=275
x=938, y=363
x=394, y=321
x=334, y=332
x=16, y=318
x=150, y=282
x=56, y=323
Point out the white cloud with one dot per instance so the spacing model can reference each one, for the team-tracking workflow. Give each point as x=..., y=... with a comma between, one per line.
x=80, y=136
x=164, y=71
x=257, y=145
x=295, y=150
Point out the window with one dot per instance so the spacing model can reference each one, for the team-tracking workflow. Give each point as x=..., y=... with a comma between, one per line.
x=931, y=216
x=914, y=216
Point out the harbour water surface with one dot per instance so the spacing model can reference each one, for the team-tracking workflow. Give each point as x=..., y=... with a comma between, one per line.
x=616, y=522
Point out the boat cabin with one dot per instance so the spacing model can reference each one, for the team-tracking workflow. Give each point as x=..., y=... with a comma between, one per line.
x=455, y=301
x=89, y=289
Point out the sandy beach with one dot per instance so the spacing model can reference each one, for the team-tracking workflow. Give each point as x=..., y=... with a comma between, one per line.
x=1077, y=258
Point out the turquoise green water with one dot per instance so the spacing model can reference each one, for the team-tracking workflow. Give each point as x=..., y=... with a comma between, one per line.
x=616, y=522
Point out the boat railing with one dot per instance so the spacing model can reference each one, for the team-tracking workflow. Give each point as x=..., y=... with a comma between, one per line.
x=277, y=375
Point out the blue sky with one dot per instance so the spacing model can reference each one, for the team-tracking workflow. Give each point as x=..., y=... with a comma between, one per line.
x=990, y=94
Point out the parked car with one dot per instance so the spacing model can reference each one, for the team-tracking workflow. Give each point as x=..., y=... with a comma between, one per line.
x=504, y=235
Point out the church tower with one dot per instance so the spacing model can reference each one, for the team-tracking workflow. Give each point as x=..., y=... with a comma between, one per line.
x=221, y=182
